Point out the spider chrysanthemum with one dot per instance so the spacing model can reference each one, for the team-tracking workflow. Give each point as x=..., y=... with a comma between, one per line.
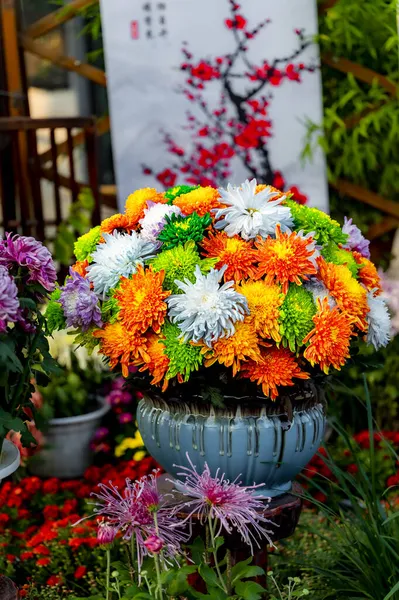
x=243, y=345
x=179, y=263
x=206, y=310
x=290, y=257
x=249, y=214
x=264, y=303
x=200, y=200
x=329, y=340
x=313, y=220
x=296, y=316
x=141, y=300
x=349, y=294
x=236, y=253
x=184, y=358
x=278, y=367
x=158, y=363
x=121, y=346
x=180, y=229
x=137, y=202
x=87, y=243
x=368, y=274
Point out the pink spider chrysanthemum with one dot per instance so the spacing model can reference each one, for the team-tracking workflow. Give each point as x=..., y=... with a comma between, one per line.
x=233, y=506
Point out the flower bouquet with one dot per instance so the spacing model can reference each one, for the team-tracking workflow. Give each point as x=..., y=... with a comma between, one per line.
x=230, y=297
x=27, y=275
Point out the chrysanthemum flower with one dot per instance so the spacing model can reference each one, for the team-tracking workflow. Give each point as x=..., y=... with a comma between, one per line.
x=249, y=214
x=205, y=310
x=236, y=253
x=356, y=240
x=179, y=263
x=313, y=220
x=137, y=202
x=9, y=303
x=184, y=358
x=117, y=221
x=368, y=274
x=142, y=300
x=262, y=186
x=230, y=504
x=155, y=218
x=264, y=303
x=121, y=345
x=178, y=190
x=350, y=296
x=378, y=321
x=329, y=340
x=278, y=367
x=54, y=314
x=291, y=257
x=87, y=243
x=241, y=346
x=118, y=257
x=319, y=292
x=158, y=364
x=181, y=229
x=80, y=267
x=200, y=200
x=79, y=303
x=296, y=316
x=340, y=256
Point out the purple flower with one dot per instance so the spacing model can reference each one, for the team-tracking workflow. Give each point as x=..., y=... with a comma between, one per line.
x=154, y=544
x=356, y=239
x=101, y=433
x=118, y=396
x=30, y=254
x=125, y=418
x=106, y=533
x=9, y=303
x=233, y=506
x=80, y=303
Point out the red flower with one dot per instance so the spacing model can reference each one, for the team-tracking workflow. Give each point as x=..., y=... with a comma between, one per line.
x=246, y=139
x=10, y=558
x=42, y=550
x=27, y=555
x=353, y=468
x=363, y=439
x=203, y=132
x=92, y=474
x=70, y=486
x=43, y=562
x=278, y=181
x=223, y=150
x=238, y=22
x=23, y=513
x=51, y=486
x=69, y=506
x=167, y=178
x=320, y=497
x=80, y=572
x=205, y=72
x=50, y=512
x=206, y=158
x=4, y=519
x=298, y=196
x=393, y=480
x=32, y=485
x=276, y=77
x=83, y=491
x=54, y=580
x=292, y=73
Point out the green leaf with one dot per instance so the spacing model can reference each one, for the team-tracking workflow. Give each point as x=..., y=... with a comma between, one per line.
x=393, y=591
x=9, y=422
x=180, y=584
x=143, y=596
x=8, y=357
x=208, y=575
x=197, y=549
x=249, y=590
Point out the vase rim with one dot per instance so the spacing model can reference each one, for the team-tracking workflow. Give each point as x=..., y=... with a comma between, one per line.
x=103, y=408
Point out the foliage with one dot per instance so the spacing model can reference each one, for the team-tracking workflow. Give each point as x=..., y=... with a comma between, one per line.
x=75, y=224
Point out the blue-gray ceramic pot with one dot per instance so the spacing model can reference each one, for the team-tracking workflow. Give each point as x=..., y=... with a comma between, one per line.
x=258, y=442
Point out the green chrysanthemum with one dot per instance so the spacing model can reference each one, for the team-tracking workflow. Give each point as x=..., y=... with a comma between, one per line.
x=54, y=314
x=87, y=243
x=312, y=219
x=178, y=190
x=179, y=263
x=180, y=229
x=110, y=309
x=339, y=256
x=184, y=357
x=296, y=316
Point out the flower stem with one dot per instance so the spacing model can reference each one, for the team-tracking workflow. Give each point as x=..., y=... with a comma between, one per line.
x=133, y=556
x=108, y=573
x=159, y=593
x=214, y=552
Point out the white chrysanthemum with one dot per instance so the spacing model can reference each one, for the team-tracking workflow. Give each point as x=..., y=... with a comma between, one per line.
x=319, y=292
x=378, y=320
x=206, y=310
x=118, y=256
x=154, y=219
x=249, y=214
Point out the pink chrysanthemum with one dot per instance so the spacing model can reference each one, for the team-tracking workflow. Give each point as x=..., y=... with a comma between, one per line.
x=233, y=506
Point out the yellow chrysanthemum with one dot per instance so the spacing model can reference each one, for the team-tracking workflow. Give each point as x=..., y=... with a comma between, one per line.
x=368, y=274
x=138, y=456
x=264, y=303
x=278, y=366
x=137, y=202
x=236, y=253
x=262, y=186
x=330, y=338
x=243, y=345
x=201, y=201
x=288, y=257
x=159, y=362
x=121, y=345
x=350, y=296
x=129, y=443
x=141, y=300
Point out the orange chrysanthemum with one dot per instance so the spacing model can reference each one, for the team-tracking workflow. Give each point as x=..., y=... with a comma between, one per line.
x=117, y=221
x=121, y=345
x=243, y=345
x=263, y=186
x=200, y=200
x=286, y=258
x=158, y=362
x=277, y=367
x=368, y=274
x=80, y=267
x=350, y=296
x=141, y=300
x=137, y=202
x=236, y=253
x=264, y=302
x=330, y=338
